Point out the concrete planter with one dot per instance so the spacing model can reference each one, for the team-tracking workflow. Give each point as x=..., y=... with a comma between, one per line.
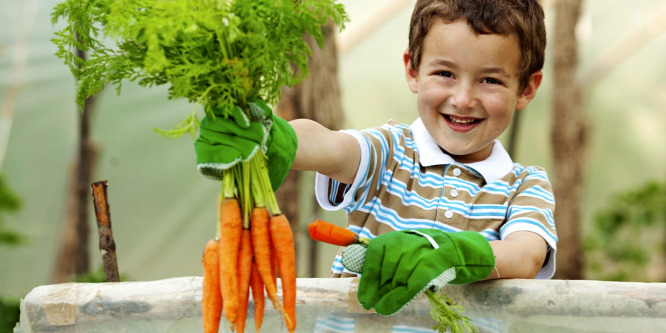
x=329, y=305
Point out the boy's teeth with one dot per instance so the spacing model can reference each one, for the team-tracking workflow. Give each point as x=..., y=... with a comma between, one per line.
x=461, y=121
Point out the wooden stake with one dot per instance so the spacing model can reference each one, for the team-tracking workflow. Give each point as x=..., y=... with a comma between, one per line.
x=107, y=246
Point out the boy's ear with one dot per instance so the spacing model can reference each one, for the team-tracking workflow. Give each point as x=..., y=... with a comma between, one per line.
x=530, y=90
x=410, y=73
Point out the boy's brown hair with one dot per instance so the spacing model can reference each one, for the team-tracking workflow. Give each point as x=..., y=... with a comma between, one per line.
x=524, y=18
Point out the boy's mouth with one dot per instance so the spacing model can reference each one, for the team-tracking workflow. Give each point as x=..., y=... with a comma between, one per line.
x=461, y=123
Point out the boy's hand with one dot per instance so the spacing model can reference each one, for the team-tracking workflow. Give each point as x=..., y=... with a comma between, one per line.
x=400, y=265
x=226, y=140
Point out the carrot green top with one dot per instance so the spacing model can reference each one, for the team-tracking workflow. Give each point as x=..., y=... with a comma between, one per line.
x=212, y=52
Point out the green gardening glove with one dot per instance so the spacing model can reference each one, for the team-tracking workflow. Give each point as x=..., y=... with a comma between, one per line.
x=228, y=137
x=400, y=265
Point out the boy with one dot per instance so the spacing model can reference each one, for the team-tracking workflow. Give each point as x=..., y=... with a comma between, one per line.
x=472, y=63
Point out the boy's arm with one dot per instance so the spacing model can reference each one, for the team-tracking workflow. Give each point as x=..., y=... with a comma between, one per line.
x=519, y=256
x=332, y=153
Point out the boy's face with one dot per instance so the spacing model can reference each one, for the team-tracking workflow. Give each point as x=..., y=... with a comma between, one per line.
x=468, y=88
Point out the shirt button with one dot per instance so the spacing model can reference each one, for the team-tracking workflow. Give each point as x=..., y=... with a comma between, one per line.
x=456, y=172
x=448, y=214
x=454, y=193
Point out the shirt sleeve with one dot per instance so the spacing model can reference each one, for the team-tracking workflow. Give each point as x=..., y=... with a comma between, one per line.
x=532, y=210
x=376, y=149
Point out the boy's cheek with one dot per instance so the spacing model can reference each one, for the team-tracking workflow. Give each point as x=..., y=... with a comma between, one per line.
x=428, y=107
x=432, y=95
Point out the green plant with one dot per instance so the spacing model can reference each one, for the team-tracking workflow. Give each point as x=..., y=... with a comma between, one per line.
x=95, y=277
x=9, y=202
x=628, y=235
x=448, y=315
x=211, y=52
x=9, y=314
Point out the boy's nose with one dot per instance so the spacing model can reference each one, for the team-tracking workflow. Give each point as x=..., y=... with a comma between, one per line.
x=463, y=98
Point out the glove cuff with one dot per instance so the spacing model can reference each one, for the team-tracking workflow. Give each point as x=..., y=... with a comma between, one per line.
x=441, y=280
x=476, y=255
x=281, y=150
x=353, y=257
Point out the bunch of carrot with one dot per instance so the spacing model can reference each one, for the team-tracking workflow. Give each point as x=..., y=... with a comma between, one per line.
x=254, y=243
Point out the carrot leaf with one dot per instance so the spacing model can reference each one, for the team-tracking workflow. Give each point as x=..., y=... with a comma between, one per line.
x=213, y=52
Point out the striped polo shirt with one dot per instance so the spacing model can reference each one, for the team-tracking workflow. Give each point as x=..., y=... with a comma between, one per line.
x=405, y=181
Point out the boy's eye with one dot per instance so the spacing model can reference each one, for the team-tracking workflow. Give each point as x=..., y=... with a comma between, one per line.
x=445, y=74
x=490, y=80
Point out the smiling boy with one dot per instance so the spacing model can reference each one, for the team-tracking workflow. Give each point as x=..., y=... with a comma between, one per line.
x=442, y=194
x=472, y=64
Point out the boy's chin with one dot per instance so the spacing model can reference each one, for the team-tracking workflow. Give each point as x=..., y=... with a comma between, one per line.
x=455, y=153
x=464, y=156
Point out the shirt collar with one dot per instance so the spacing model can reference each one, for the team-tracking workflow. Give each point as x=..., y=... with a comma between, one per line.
x=494, y=167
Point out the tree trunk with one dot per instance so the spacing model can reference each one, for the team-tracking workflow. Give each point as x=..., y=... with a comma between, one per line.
x=73, y=255
x=569, y=133
x=317, y=98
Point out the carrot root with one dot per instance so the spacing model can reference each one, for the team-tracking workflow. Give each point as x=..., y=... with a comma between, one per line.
x=257, y=287
x=244, y=272
x=231, y=223
x=261, y=241
x=211, y=298
x=332, y=234
x=283, y=242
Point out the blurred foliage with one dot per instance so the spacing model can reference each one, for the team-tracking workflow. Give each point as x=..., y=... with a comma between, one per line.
x=9, y=314
x=96, y=277
x=629, y=237
x=9, y=202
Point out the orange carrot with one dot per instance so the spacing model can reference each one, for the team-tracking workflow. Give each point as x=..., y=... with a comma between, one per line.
x=231, y=224
x=283, y=242
x=244, y=271
x=332, y=234
x=274, y=264
x=257, y=296
x=260, y=230
x=211, y=299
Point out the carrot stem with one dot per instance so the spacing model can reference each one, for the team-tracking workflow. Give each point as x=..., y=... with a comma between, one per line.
x=228, y=183
x=218, y=232
x=263, y=187
x=245, y=193
x=257, y=190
